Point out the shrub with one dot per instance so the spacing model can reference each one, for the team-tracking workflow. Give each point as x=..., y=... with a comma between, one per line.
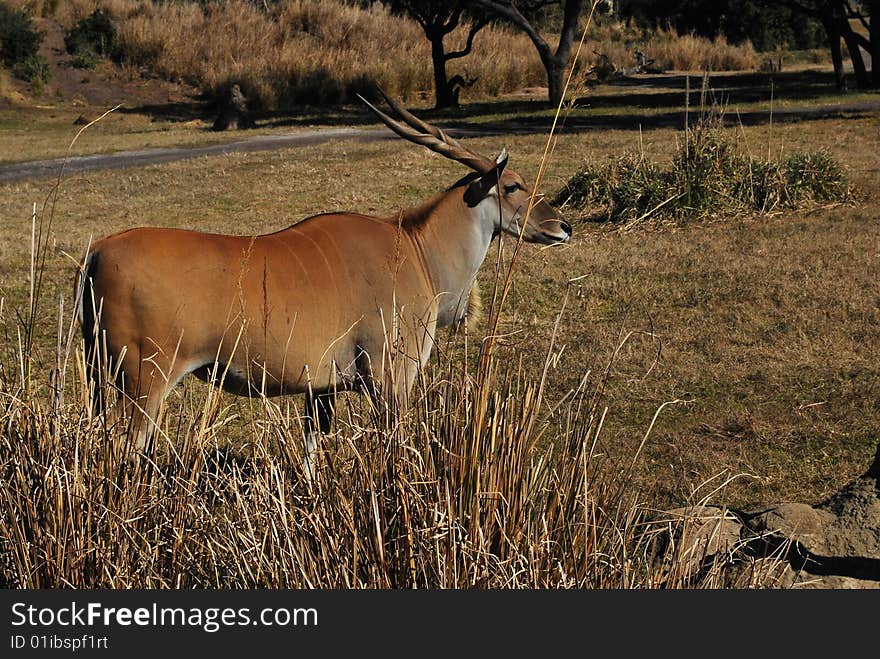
x=35, y=70
x=85, y=60
x=704, y=165
x=19, y=40
x=817, y=175
x=91, y=38
x=709, y=174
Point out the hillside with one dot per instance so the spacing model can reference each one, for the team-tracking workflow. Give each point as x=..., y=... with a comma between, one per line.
x=298, y=53
x=107, y=85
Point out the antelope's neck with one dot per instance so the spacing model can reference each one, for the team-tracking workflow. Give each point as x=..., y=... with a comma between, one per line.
x=453, y=240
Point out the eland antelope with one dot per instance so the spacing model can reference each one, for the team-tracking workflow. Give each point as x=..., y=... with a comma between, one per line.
x=335, y=302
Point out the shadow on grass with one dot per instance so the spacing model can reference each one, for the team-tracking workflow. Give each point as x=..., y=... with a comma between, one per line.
x=616, y=106
x=199, y=107
x=676, y=119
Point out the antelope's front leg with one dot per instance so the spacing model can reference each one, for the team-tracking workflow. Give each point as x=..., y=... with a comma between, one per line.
x=414, y=347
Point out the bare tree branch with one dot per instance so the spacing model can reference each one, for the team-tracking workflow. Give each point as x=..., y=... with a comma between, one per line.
x=476, y=27
x=509, y=11
x=454, y=19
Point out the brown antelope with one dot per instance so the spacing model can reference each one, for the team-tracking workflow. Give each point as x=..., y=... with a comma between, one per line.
x=331, y=303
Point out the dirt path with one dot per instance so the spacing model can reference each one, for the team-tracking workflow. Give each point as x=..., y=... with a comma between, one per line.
x=123, y=159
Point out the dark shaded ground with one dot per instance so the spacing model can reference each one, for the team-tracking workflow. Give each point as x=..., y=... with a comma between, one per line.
x=676, y=119
x=727, y=88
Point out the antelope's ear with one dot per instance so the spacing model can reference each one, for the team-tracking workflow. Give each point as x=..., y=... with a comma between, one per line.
x=480, y=187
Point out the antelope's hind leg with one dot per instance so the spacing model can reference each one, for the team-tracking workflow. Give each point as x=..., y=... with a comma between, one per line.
x=318, y=412
x=145, y=382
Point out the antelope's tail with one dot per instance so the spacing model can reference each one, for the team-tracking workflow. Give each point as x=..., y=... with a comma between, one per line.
x=87, y=313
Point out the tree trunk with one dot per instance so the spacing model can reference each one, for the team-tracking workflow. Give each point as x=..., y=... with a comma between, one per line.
x=555, y=80
x=836, y=55
x=874, y=38
x=835, y=16
x=554, y=63
x=858, y=62
x=444, y=95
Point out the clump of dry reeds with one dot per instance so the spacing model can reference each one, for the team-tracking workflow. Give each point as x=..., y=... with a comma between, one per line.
x=689, y=52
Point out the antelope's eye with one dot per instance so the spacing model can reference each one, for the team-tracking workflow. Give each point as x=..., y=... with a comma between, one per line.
x=510, y=188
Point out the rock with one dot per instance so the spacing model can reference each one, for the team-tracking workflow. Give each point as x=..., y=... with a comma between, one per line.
x=693, y=538
x=798, y=521
x=855, y=529
x=846, y=526
x=704, y=530
x=835, y=544
x=807, y=581
x=874, y=469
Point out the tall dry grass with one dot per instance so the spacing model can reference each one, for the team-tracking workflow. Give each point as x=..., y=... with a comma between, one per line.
x=482, y=482
x=665, y=48
x=326, y=51
x=476, y=486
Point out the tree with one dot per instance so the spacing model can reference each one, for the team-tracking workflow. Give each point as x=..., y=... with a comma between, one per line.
x=867, y=14
x=874, y=35
x=770, y=22
x=439, y=18
x=767, y=25
x=554, y=61
x=838, y=17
